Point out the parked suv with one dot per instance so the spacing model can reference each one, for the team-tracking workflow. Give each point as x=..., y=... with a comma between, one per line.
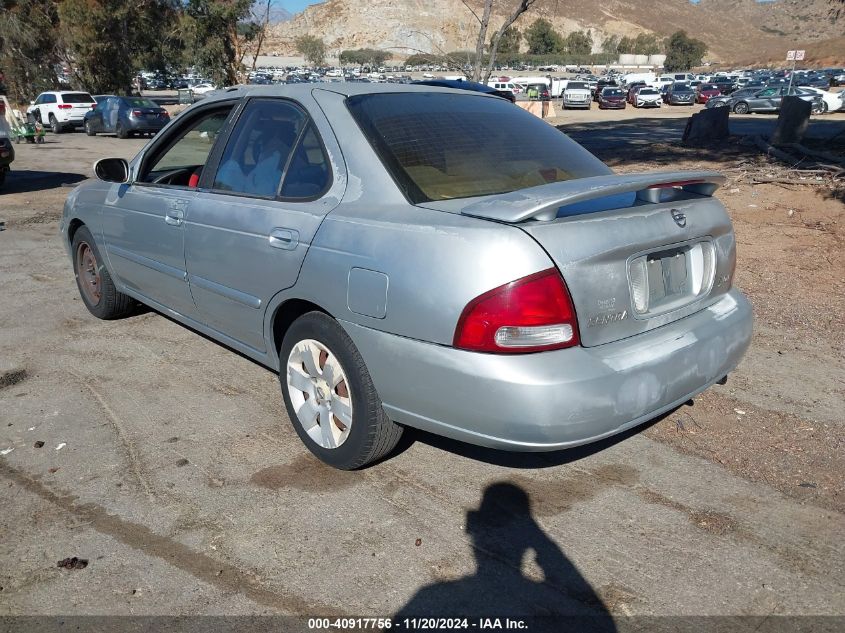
x=577, y=95
x=61, y=110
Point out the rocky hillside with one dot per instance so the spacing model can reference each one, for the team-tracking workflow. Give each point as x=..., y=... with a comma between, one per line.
x=735, y=30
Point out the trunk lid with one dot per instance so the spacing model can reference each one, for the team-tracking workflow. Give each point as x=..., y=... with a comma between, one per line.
x=637, y=251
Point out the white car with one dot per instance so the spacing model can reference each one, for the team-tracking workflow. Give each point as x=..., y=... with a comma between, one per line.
x=832, y=101
x=201, y=89
x=61, y=110
x=577, y=95
x=648, y=98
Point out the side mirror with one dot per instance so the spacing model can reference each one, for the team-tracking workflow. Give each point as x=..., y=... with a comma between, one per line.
x=112, y=169
x=32, y=103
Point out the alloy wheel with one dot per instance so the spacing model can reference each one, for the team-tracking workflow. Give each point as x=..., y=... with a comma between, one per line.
x=319, y=393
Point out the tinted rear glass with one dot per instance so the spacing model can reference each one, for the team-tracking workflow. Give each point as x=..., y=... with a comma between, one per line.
x=139, y=102
x=439, y=146
x=77, y=97
x=576, y=85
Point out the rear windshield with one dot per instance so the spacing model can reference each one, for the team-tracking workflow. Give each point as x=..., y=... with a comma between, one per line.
x=440, y=146
x=77, y=97
x=139, y=102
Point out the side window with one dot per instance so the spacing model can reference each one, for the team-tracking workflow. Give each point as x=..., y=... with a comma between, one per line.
x=308, y=174
x=39, y=100
x=49, y=99
x=259, y=148
x=187, y=152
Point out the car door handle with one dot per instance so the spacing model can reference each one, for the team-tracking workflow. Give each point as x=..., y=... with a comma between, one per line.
x=286, y=239
x=176, y=215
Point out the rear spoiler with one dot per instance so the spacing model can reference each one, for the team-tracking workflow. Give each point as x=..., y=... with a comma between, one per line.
x=542, y=203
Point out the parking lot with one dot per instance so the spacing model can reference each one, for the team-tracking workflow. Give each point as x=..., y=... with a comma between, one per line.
x=168, y=463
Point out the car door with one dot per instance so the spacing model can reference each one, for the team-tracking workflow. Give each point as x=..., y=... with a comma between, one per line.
x=144, y=220
x=253, y=220
x=95, y=119
x=110, y=114
x=761, y=101
x=46, y=107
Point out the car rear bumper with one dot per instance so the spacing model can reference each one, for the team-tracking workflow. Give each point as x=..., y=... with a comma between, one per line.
x=554, y=400
x=134, y=125
x=72, y=118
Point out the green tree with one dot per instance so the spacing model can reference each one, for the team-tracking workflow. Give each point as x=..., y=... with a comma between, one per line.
x=214, y=38
x=683, y=52
x=509, y=42
x=105, y=40
x=542, y=39
x=646, y=44
x=626, y=46
x=28, y=51
x=579, y=43
x=312, y=48
x=364, y=57
x=610, y=45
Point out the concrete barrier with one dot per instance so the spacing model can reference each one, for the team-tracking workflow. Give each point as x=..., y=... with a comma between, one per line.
x=540, y=109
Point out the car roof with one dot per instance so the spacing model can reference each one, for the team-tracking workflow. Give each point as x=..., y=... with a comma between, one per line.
x=64, y=92
x=345, y=88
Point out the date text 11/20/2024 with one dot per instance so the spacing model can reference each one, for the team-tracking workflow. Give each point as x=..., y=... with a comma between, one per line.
x=416, y=624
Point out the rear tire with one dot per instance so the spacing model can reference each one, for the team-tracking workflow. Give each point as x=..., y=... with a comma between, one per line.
x=329, y=395
x=96, y=287
x=741, y=108
x=54, y=125
x=120, y=130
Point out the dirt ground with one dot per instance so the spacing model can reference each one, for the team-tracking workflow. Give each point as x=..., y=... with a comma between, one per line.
x=167, y=463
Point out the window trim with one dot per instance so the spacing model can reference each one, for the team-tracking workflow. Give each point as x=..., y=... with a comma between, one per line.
x=207, y=182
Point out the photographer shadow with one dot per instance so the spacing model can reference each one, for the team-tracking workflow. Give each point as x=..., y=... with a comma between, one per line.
x=503, y=532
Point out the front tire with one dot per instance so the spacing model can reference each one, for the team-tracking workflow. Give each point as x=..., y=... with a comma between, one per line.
x=741, y=108
x=89, y=129
x=330, y=397
x=120, y=130
x=96, y=287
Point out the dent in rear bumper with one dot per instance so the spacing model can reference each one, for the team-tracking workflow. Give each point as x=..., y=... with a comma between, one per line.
x=558, y=399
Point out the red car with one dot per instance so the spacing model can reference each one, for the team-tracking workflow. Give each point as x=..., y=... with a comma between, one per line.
x=703, y=92
x=611, y=97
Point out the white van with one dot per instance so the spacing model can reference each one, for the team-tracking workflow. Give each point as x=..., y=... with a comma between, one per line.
x=557, y=87
x=504, y=85
x=630, y=78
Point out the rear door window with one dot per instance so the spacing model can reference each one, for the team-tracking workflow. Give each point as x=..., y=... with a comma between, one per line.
x=439, y=146
x=259, y=148
x=308, y=174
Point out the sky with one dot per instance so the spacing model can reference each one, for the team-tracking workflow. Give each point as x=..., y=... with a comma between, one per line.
x=295, y=6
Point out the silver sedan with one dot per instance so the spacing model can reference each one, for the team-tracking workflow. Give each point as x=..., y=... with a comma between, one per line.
x=408, y=256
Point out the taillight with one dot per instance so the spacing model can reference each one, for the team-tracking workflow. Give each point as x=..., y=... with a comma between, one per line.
x=531, y=314
x=65, y=106
x=137, y=113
